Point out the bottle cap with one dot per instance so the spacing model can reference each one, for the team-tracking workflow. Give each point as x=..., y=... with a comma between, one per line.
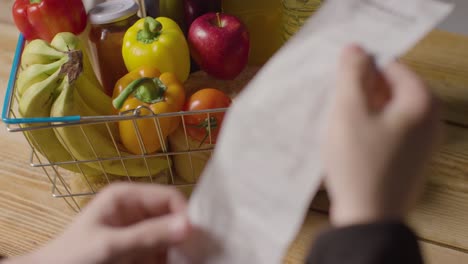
x=112, y=11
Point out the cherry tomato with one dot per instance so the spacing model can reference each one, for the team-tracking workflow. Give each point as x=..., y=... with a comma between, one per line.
x=200, y=126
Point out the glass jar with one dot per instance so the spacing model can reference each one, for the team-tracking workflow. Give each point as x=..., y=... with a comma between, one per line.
x=295, y=13
x=109, y=22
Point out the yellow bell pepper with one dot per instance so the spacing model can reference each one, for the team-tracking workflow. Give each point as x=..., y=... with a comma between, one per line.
x=157, y=93
x=159, y=43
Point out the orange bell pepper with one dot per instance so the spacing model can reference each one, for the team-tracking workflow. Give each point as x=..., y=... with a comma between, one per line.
x=157, y=93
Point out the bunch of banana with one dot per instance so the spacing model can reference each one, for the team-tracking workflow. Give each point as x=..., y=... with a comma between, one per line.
x=57, y=80
x=37, y=87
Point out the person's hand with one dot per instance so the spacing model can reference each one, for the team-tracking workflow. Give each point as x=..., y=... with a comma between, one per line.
x=382, y=131
x=125, y=223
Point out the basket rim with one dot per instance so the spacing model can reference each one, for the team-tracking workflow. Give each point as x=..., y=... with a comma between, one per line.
x=70, y=120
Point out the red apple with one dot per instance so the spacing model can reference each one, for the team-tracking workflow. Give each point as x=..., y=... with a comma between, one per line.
x=219, y=44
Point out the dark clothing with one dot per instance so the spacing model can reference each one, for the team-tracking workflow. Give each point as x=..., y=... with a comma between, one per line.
x=380, y=243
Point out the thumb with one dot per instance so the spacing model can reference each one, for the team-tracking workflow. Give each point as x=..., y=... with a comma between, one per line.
x=360, y=84
x=153, y=233
x=412, y=101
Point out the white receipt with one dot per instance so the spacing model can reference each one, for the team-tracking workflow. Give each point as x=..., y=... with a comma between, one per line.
x=256, y=190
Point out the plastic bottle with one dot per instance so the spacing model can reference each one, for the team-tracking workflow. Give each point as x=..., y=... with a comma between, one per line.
x=295, y=13
x=263, y=19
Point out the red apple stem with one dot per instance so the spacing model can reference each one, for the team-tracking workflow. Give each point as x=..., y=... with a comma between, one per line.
x=218, y=19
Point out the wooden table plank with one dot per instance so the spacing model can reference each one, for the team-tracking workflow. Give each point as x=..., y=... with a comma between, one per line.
x=5, y=11
x=441, y=58
x=435, y=254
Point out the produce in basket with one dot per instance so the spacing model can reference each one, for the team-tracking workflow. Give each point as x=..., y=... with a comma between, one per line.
x=156, y=93
x=42, y=76
x=189, y=166
x=180, y=143
x=219, y=44
x=40, y=59
x=99, y=140
x=69, y=90
x=205, y=127
x=43, y=19
x=159, y=43
x=199, y=132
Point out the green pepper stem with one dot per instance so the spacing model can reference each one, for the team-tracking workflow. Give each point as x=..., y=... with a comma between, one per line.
x=35, y=1
x=147, y=90
x=150, y=32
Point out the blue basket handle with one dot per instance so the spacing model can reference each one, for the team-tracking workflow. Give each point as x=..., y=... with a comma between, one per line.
x=9, y=95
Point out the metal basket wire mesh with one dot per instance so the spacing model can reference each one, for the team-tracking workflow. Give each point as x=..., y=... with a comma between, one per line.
x=62, y=174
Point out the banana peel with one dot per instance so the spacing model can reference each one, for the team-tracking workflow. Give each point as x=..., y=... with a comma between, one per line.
x=35, y=74
x=39, y=52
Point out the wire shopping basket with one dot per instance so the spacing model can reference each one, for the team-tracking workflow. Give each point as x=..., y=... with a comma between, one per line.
x=75, y=177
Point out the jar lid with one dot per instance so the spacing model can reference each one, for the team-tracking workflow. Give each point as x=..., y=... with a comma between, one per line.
x=112, y=11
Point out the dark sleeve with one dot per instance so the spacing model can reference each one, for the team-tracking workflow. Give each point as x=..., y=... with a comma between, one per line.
x=379, y=243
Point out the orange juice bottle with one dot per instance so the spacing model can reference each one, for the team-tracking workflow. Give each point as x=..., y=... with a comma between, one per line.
x=263, y=19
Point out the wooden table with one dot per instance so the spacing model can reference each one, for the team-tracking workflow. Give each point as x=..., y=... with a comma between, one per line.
x=29, y=216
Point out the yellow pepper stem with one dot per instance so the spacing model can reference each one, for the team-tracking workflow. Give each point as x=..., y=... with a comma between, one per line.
x=147, y=90
x=150, y=32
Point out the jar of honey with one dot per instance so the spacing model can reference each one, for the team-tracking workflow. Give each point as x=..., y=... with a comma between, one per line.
x=109, y=22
